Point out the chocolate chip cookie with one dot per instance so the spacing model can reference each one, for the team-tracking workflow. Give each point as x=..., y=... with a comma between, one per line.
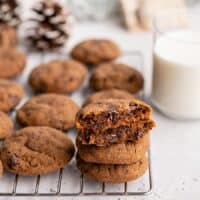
x=108, y=94
x=12, y=62
x=113, y=121
x=124, y=153
x=8, y=36
x=11, y=94
x=58, y=76
x=118, y=76
x=113, y=173
x=6, y=125
x=36, y=150
x=95, y=51
x=53, y=110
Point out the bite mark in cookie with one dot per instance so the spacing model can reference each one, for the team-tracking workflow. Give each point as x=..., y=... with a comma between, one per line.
x=113, y=121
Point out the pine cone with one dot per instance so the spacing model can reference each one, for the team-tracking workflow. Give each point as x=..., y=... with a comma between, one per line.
x=50, y=26
x=9, y=13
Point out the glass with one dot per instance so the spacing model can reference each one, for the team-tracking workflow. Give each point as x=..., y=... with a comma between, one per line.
x=176, y=64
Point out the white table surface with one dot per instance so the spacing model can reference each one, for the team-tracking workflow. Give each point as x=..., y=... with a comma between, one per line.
x=175, y=144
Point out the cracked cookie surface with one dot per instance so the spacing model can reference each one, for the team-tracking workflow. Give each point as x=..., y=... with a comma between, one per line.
x=12, y=62
x=36, y=150
x=11, y=94
x=53, y=110
x=58, y=76
x=118, y=76
x=95, y=51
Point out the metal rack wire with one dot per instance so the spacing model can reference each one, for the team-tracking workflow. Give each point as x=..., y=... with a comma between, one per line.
x=81, y=187
x=81, y=191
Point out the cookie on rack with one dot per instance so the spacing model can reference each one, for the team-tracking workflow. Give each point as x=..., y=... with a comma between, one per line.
x=109, y=173
x=36, y=150
x=95, y=51
x=1, y=169
x=118, y=76
x=11, y=94
x=113, y=121
x=58, y=76
x=122, y=153
x=8, y=36
x=53, y=110
x=6, y=125
x=108, y=94
x=12, y=62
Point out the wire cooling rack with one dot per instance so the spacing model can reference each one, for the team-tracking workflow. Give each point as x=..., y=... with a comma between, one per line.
x=81, y=191
x=69, y=181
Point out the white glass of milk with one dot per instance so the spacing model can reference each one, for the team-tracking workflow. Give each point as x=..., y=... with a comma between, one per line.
x=176, y=68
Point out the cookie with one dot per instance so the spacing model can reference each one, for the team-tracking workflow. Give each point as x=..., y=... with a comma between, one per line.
x=108, y=94
x=58, y=76
x=53, y=110
x=11, y=94
x=113, y=173
x=12, y=62
x=113, y=121
x=8, y=36
x=95, y=51
x=118, y=76
x=125, y=153
x=36, y=150
x=6, y=125
x=1, y=169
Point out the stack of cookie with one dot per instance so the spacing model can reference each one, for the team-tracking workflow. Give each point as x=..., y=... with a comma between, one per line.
x=113, y=138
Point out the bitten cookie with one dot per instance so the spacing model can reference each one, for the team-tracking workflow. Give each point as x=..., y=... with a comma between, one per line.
x=11, y=94
x=124, y=153
x=12, y=62
x=116, y=75
x=113, y=121
x=8, y=36
x=53, y=110
x=1, y=169
x=108, y=94
x=95, y=51
x=113, y=173
x=6, y=125
x=58, y=76
x=36, y=150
